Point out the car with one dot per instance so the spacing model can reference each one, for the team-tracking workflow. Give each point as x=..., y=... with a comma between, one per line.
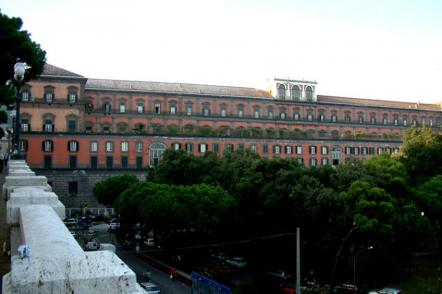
x=149, y=242
x=113, y=226
x=280, y=274
x=386, y=291
x=238, y=262
x=70, y=222
x=91, y=234
x=151, y=288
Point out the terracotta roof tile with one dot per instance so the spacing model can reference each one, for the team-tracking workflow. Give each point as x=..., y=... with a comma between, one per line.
x=176, y=88
x=51, y=70
x=378, y=103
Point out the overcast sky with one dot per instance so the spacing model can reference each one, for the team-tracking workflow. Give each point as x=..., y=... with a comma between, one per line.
x=389, y=49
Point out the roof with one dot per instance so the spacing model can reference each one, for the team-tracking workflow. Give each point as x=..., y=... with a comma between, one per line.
x=175, y=88
x=51, y=70
x=378, y=103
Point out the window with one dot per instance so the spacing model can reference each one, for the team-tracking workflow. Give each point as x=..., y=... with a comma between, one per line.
x=364, y=150
x=72, y=95
x=296, y=115
x=48, y=146
x=347, y=117
x=312, y=149
x=47, y=161
x=49, y=94
x=373, y=118
x=360, y=117
x=270, y=113
x=124, y=146
x=157, y=108
x=72, y=161
x=156, y=153
x=229, y=147
x=25, y=95
x=324, y=161
x=189, y=109
x=202, y=148
x=73, y=188
x=405, y=121
x=298, y=149
x=240, y=111
x=309, y=93
x=124, y=162
x=216, y=147
x=176, y=146
x=356, y=150
x=334, y=116
x=107, y=107
x=172, y=109
x=93, y=147
x=122, y=107
x=288, y=149
x=296, y=94
x=300, y=160
x=256, y=112
x=240, y=147
x=282, y=115
x=140, y=107
x=380, y=150
x=94, y=161
x=321, y=115
x=223, y=110
x=73, y=146
x=385, y=119
x=25, y=126
x=109, y=146
x=88, y=127
x=324, y=150
x=313, y=162
x=253, y=148
x=139, y=147
x=189, y=147
x=48, y=126
x=309, y=116
x=109, y=162
x=72, y=124
x=281, y=91
x=265, y=148
x=276, y=149
x=139, y=162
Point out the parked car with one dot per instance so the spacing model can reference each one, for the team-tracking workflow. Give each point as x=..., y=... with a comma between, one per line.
x=149, y=242
x=151, y=288
x=70, y=221
x=91, y=234
x=386, y=291
x=113, y=226
x=280, y=274
x=238, y=262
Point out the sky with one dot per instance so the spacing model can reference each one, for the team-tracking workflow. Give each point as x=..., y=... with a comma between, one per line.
x=378, y=49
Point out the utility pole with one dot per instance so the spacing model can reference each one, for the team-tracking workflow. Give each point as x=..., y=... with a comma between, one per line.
x=298, y=261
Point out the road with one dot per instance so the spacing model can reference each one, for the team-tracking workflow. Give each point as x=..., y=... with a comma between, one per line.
x=139, y=266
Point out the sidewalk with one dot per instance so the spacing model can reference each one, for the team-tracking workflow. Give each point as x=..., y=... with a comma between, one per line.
x=4, y=232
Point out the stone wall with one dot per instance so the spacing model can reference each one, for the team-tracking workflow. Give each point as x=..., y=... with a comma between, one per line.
x=86, y=179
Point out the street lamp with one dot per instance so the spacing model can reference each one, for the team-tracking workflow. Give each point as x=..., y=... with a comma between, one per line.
x=354, y=262
x=19, y=75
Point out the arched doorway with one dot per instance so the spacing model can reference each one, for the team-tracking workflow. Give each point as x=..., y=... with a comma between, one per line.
x=336, y=155
x=156, y=151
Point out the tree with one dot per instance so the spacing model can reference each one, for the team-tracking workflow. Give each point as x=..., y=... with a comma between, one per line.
x=108, y=190
x=14, y=44
x=422, y=153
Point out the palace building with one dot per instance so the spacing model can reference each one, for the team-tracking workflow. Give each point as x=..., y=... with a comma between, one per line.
x=76, y=130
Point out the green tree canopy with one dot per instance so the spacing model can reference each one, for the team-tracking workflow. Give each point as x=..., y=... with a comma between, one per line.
x=16, y=43
x=108, y=190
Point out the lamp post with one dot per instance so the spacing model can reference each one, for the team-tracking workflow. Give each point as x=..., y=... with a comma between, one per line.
x=354, y=262
x=19, y=75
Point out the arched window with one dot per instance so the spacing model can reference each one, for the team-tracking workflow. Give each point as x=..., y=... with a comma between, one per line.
x=72, y=124
x=296, y=93
x=122, y=107
x=73, y=146
x=281, y=91
x=47, y=146
x=72, y=95
x=156, y=151
x=140, y=106
x=309, y=93
x=48, y=123
x=49, y=96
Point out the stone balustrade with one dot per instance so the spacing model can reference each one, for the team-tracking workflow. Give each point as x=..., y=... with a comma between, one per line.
x=56, y=262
